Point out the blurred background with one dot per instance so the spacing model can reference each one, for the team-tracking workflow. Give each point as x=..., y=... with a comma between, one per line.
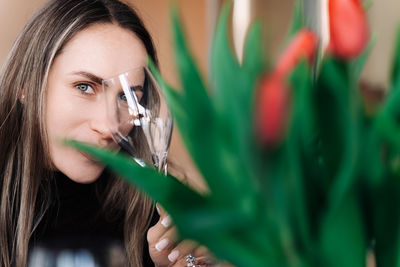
x=199, y=19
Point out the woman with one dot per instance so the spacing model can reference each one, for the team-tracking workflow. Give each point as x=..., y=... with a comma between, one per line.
x=50, y=89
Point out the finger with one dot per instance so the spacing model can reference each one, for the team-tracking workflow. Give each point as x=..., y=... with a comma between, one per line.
x=166, y=221
x=203, y=261
x=155, y=232
x=164, y=216
x=201, y=251
x=161, y=211
x=179, y=262
x=160, y=249
x=204, y=256
x=183, y=249
x=207, y=261
x=163, y=239
x=167, y=241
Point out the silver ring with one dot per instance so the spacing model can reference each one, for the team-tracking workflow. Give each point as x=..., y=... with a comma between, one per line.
x=190, y=260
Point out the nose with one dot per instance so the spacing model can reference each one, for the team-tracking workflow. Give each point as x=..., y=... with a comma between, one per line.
x=99, y=122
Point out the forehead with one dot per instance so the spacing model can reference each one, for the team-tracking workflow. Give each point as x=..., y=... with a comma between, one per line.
x=102, y=49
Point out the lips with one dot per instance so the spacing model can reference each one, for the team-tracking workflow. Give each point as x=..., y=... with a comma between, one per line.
x=112, y=145
x=89, y=157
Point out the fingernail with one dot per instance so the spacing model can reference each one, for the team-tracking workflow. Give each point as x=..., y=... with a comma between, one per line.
x=162, y=244
x=158, y=209
x=166, y=222
x=173, y=255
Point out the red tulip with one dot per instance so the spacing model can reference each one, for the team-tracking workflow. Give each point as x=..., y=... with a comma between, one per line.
x=272, y=109
x=272, y=103
x=302, y=46
x=348, y=28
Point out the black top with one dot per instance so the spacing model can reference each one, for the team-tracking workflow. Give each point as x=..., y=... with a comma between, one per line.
x=75, y=222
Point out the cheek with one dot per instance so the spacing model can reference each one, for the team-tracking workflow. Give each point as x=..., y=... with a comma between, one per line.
x=66, y=119
x=68, y=160
x=65, y=116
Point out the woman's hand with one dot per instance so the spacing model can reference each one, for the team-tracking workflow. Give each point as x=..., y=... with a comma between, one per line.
x=165, y=251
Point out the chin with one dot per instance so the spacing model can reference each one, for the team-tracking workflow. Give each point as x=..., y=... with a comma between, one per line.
x=77, y=166
x=84, y=175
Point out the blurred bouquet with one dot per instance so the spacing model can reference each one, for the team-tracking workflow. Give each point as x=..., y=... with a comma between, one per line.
x=298, y=173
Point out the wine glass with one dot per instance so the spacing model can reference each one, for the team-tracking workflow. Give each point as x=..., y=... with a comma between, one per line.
x=138, y=116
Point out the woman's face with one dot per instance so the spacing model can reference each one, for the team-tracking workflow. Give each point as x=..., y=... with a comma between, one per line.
x=75, y=102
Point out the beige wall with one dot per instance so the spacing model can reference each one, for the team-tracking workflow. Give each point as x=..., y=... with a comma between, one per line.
x=384, y=18
x=13, y=16
x=276, y=19
x=155, y=13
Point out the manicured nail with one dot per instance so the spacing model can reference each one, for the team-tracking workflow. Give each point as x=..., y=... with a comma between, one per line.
x=173, y=255
x=158, y=209
x=162, y=244
x=166, y=222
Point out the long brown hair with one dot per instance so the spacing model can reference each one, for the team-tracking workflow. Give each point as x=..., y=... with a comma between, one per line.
x=24, y=158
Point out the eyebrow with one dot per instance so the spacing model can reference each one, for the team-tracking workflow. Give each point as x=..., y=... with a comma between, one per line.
x=94, y=78
x=137, y=88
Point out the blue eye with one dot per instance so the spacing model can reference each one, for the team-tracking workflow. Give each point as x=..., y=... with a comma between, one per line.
x=122, y=97
x=137, y=92
x=85, y=88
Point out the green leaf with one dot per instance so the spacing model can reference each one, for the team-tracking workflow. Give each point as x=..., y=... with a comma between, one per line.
x=233, y=101
x=342, y=235
x=172, y=194
x=224, y=66
x=330, y=102
x=197, y=101
x=214, y=151
x=244, y=254
x=367, y=4
x=386, y=221
x=172, y=96
x=193, y=214
x=298, y=146
x=297, y=19
x=339, y=119
x=253, y=58
x=372, y=164
x=149, y=180
x=301, y=83
x=207, y=151
x=386, y=120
